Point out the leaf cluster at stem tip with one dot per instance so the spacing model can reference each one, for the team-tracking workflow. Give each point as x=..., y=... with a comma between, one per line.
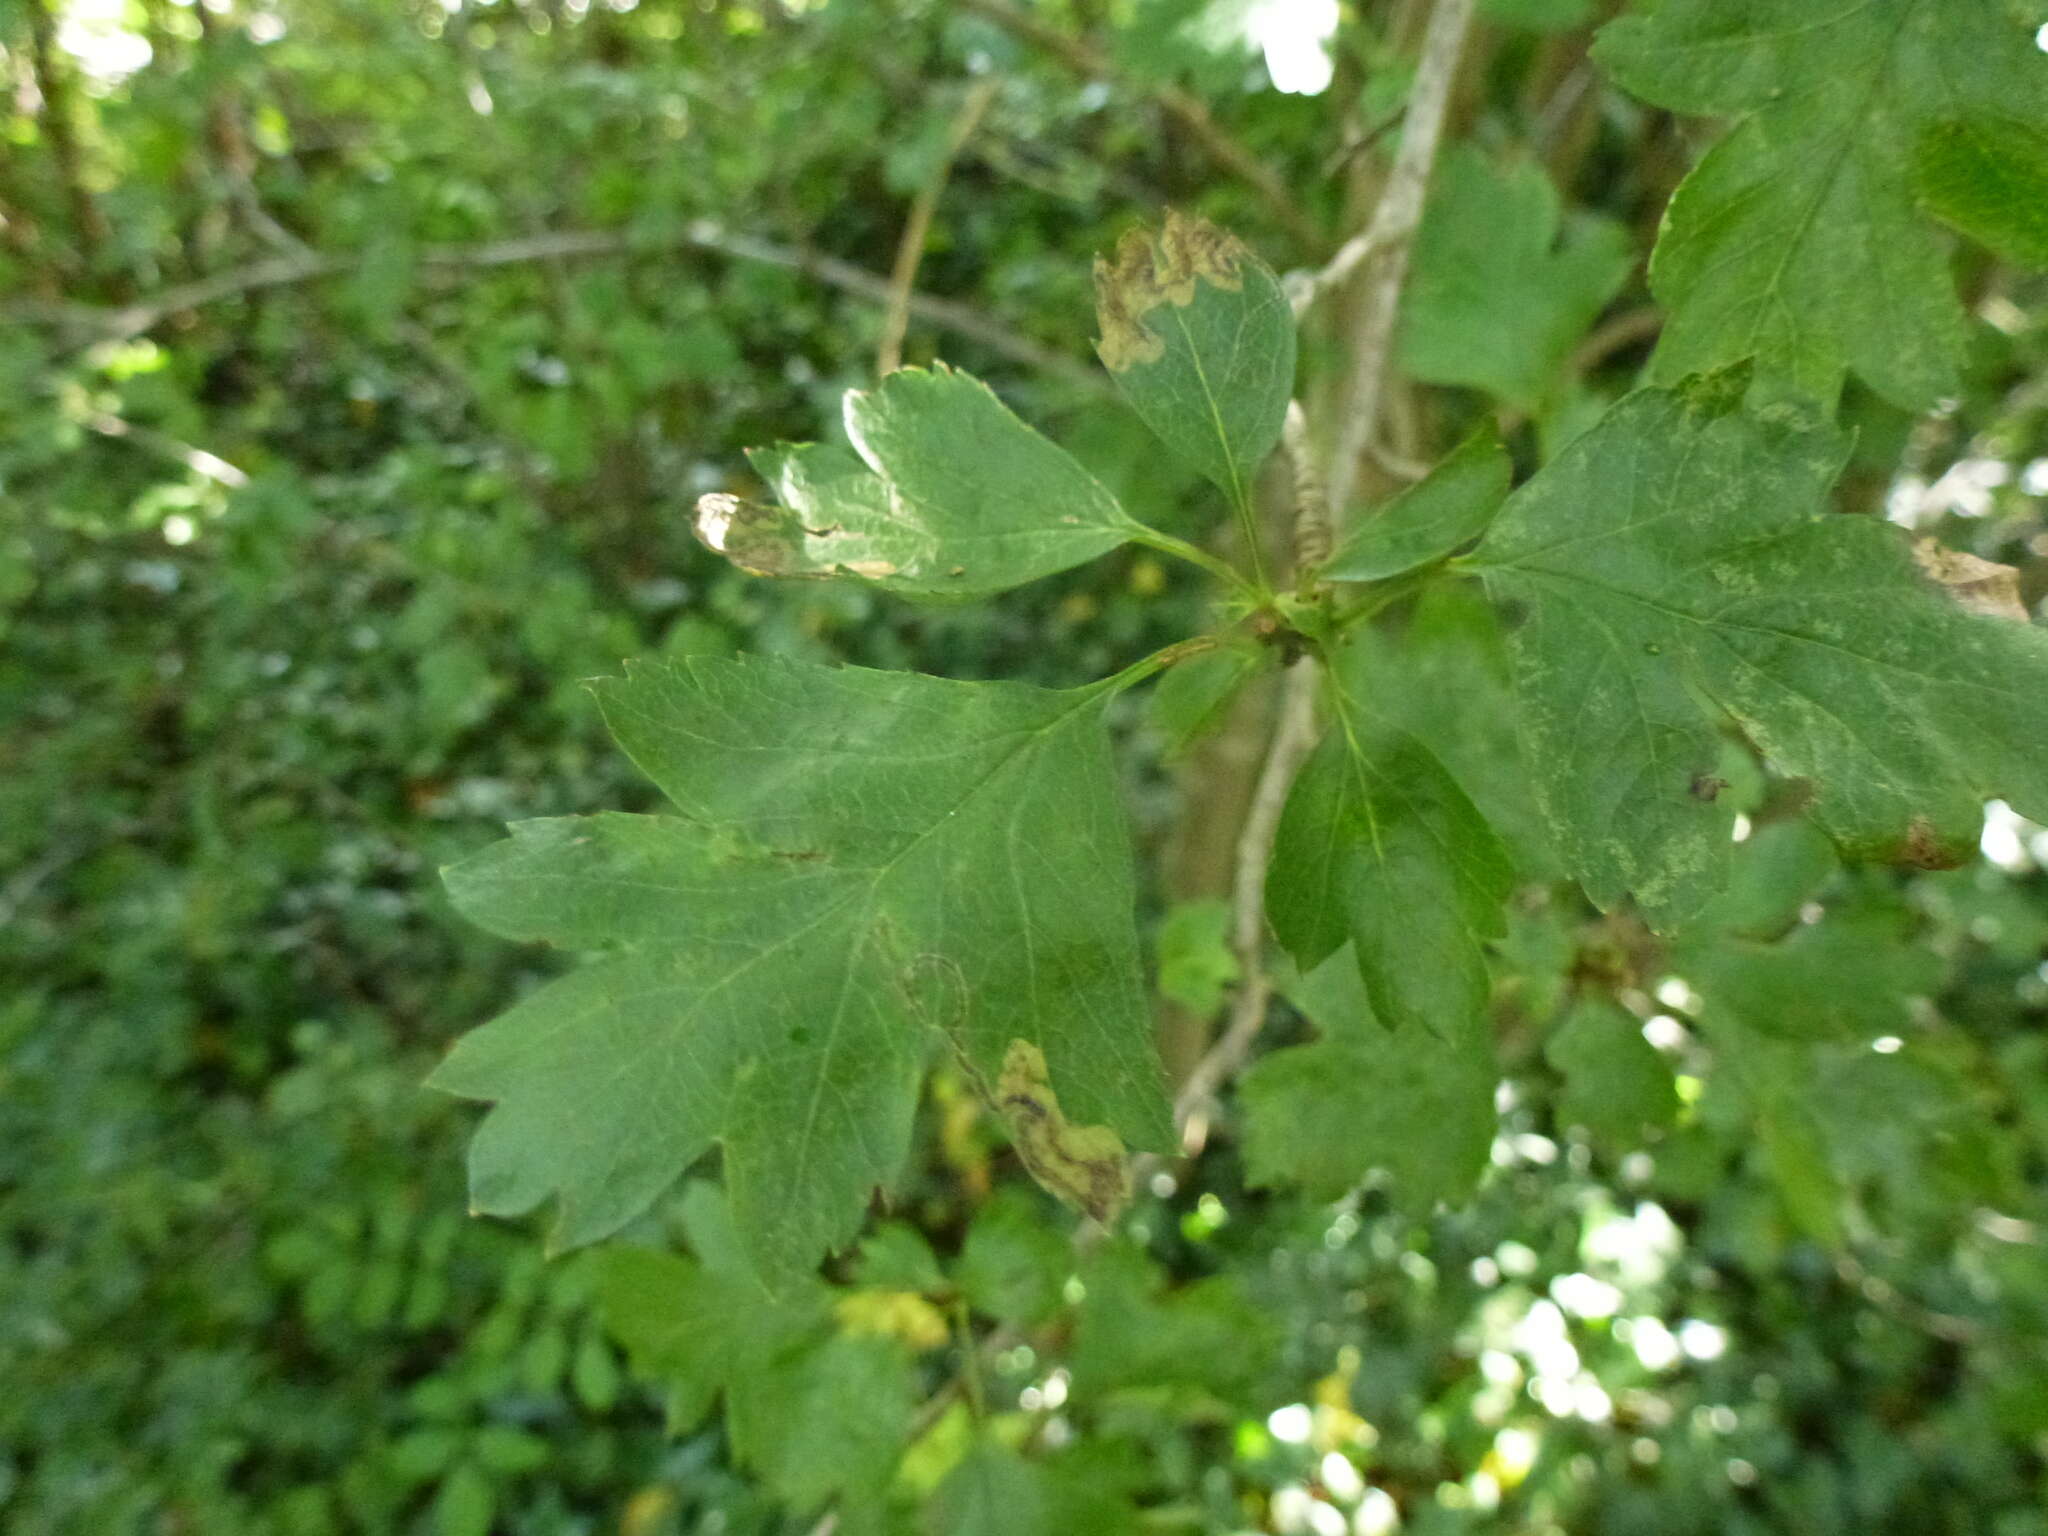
x=858, y=867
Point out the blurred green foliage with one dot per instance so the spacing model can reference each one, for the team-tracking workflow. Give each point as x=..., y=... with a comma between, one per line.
x=297, y=583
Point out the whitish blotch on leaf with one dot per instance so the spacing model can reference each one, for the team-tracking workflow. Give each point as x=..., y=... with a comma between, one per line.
x=1082, y=1164
x=1148, y=272
x=772, y=541
x=1982, y=586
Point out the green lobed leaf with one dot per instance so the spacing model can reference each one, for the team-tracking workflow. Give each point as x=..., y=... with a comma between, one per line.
x=1196, y=963
x=861, y=857
x=1449, y=506
x=996, y=1491
x=1775, y=874
x=1675, y=568
x=813, y=1411
x=951, y=495
x=1133, y=1332
x=1850, y=976
x=1380, y=849
x=1200, y=338
x=1195, y=697
x=992, y=1492
x=1616, y=1084
x=1797, y=240
x=1013, y=1265
x=1443, y=674
x=1504, y=288
x=1417, y=1106
x=897, y=1257
x=1989, y=179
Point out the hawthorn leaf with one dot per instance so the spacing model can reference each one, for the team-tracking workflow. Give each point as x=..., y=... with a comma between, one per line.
x=1196, y=695
x=1616, y=1084
x=814, y=1411
x=1793, y=1140
x=1200, y=339
x=861, y=858
x=1989, y=179
x=1850, y=976
x=993, y=1491
x=1449, y=506
x=996, y=1491
x=1380, y=849
x=951, y=496
x=1417, y=1106
x=1798, y=239
x=1196, y=963
x=1504, y=288
x=1445, y=677
x=703, y=1325
x=897, y=1257
x=1776, y=872
x=1013, y=1263
x=1676, y=567
x=1133, y=1331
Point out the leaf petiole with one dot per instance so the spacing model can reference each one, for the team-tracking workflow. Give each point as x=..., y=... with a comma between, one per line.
x=1222, y=570
x=1376, y=599
x=1157, y=662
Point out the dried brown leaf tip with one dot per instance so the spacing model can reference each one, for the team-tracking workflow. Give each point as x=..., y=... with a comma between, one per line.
x=1982, y=586
x=1149, y=271
x=1925, y=848
x=1082, y=1164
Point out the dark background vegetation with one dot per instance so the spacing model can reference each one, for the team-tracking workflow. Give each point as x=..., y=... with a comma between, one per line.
x=299, y=572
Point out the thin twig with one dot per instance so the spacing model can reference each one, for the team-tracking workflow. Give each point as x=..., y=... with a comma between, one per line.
x=209, y=465
x=1312, y=533
x=1304, y=288
x=910, y=249
x=1189, y=110
x=1293, y=738
x=1625, y=330
x=1389, y=238
x=130, y=320
x=1399, y=465
x=1386, y=239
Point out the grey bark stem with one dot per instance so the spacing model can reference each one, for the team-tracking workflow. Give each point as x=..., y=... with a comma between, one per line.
x=1385, y=244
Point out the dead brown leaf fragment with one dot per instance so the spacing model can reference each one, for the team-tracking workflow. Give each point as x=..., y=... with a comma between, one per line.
x=1149, y=271
x=1084, y=1165
x=1981, y=586
x=1924, y=848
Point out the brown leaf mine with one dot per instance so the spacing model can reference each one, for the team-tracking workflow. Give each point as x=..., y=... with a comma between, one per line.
x=1982, y=586
x=1082, y=1164
x=1149, y=271
x=1925, y=848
